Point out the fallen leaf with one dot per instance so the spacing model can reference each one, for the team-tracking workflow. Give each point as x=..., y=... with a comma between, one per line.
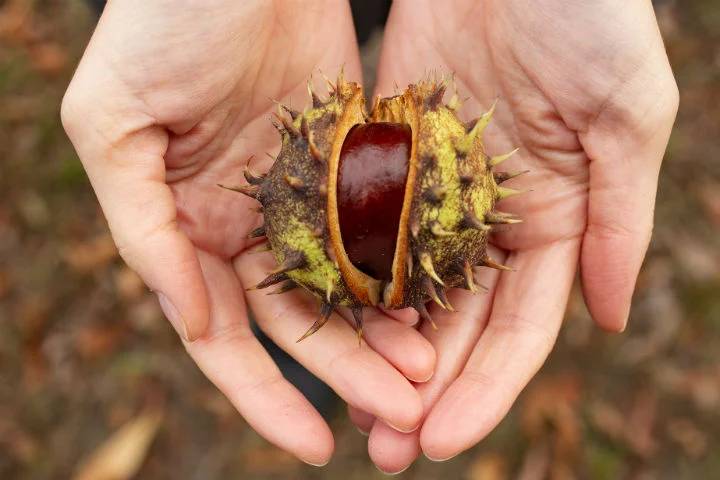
x=121, y=456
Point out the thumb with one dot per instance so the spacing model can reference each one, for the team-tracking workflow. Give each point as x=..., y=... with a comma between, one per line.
x=127, y=173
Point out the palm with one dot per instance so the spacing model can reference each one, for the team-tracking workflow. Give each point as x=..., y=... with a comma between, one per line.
x=558, y=92
x=180, y=100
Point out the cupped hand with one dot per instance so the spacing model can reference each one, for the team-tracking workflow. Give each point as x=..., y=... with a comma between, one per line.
x=586, y=93
x=169, y=100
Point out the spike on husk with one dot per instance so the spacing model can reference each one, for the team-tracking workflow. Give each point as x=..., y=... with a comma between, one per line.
x=325, y=311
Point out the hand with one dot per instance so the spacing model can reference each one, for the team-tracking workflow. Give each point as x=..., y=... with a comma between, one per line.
x=169, y=100
x=585, y=91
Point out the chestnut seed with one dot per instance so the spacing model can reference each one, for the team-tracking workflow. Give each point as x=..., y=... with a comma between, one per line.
x=370, y=191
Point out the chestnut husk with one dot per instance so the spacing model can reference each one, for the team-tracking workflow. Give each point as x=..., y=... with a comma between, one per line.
x=448, y=208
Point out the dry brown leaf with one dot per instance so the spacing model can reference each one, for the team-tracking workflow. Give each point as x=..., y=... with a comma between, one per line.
x=121, y=456
x=89, y=255
x=487, y=466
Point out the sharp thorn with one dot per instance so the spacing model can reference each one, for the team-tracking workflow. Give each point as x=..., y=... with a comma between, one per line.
x=257, y=232
x=295, y=183
x=252, y=177
x=469, y=277
x=289, y=127
x=304, y=127
x=249, y=190
x=292, y=112
x=439, y=231
x=341, y=76
x=470, y=220
x=325, y=311
x=422, y=310
x=498, y=159
x=427, y=265
x=505, y=192
x=489, y=262
x=329, y=289
x=501, y=177
x=314, y=150
x=454, y=103
x=435, y=98
x=443, y=297
x=316, y=101
x=285, y=287
x=500, y=217
x=357, y=313
x=331, y=86
x=271, y=279
x=485, y=118
x=293, y=261
x=414, y=227
x=429, y=288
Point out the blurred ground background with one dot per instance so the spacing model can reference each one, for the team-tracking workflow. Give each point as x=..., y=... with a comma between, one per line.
x=84, y=349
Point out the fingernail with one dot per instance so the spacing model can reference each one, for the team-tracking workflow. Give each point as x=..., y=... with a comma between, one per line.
x=173, y=315
x=316, y=464
x=437, y=460
x=363, y=432
x=402, y=430
x=392, y=473
x=422, y=380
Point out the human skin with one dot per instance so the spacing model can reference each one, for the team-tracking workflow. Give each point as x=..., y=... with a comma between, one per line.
x=585, y=90
x=170, y=99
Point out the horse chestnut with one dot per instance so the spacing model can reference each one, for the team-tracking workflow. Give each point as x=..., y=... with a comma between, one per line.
x=393, y=207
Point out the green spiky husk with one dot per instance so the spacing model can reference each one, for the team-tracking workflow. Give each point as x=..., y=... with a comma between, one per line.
x=450, y=198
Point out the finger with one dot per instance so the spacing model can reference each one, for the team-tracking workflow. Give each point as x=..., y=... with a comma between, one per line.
x=625, y=152
x=357, y=373
x=400, y=344
x=128, y=175
x=526, y=315
x=362, y=420
x=457, y=334
x=408, y=316
x=233, y=359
